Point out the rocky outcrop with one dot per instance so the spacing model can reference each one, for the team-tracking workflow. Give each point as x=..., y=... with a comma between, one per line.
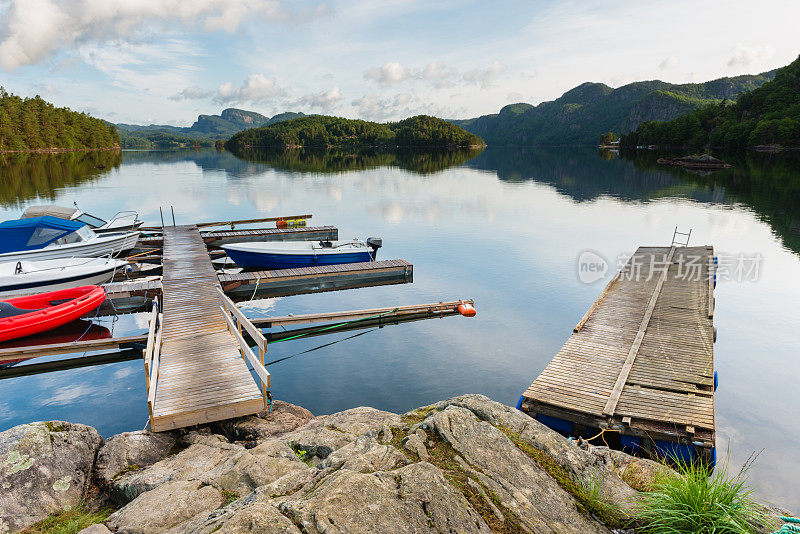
x=467, y=464
x=132, y=450
x=45, y=467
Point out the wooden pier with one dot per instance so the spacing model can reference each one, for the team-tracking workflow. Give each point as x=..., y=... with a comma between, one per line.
x=640, y=363
x=222, y=237
x=197, y=373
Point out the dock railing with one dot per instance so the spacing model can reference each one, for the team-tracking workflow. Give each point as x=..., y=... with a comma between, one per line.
x=152, y=356
x=236, y=322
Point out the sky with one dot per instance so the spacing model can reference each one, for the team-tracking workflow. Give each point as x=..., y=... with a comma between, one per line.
x=167, y=61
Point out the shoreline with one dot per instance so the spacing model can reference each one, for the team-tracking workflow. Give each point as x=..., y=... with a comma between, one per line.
x=58, y=150
x=465, y=464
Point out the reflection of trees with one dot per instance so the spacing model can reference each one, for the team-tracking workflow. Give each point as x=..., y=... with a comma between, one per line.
x=767, y=183
x=26, y=176
x=333, y=161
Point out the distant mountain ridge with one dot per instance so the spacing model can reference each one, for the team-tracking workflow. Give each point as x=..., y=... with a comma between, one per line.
x=766, y=116
x=582, y=114
x=205, y=130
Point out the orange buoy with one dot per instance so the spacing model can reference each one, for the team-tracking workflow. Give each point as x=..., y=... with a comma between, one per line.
x=466, y=310
x=280, y=223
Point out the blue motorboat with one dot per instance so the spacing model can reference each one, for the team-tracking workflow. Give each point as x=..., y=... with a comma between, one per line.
x=294, y=254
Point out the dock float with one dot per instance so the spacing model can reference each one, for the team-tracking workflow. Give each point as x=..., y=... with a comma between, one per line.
x=222, y=237
x=638, y=369
x=195, y=367
x=283, y=282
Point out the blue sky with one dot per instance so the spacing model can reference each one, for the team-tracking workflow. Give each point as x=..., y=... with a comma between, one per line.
x=166, y=61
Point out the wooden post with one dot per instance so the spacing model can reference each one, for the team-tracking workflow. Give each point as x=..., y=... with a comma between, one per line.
x=264, y=386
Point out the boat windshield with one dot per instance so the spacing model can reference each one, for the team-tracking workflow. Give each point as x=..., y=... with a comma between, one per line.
x=91, y=220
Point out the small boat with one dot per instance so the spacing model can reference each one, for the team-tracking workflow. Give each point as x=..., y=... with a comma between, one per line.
x=25, y=316
x=49, y=238
x=26, y=277
x=123, y=220
x=292, y=254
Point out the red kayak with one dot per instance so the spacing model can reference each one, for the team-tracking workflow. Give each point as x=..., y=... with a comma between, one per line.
x=24, y=316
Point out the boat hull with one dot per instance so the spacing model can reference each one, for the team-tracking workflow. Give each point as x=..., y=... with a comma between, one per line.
x=266, y=260
x=49, y=310
x=103, y=245
x=30, y=283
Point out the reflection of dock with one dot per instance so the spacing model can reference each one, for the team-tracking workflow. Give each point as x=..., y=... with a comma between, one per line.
x=640, y=363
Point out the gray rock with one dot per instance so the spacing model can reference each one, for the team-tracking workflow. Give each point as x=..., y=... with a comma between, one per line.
x=414, y=443
x=365, y=455
x=45, y=468
x=132, y=450
x=337, y=430
x=169, y=507
x=519, y=483
x=413, y=499
x=585, y=466
x=283, y=418
x=97, y=528
x=256, y=515
x=192, y=464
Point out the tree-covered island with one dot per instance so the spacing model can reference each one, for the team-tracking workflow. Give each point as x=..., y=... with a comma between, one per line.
x=325, y=131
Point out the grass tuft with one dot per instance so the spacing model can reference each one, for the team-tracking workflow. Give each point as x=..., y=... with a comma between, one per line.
x=229, y=496
x=688, y=500
x=68, y=522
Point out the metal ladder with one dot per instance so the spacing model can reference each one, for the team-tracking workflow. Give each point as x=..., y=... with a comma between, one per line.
x=675, y=235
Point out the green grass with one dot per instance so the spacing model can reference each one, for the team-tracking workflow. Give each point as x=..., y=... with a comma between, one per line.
x=688, y=500
x=69, y=522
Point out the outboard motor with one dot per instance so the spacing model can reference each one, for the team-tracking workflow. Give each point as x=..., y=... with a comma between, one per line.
x=375, y=243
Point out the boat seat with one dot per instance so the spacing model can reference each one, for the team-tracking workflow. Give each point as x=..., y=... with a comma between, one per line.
x=9, y=310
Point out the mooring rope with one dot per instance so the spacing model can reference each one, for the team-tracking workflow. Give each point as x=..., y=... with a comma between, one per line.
x=319, y=347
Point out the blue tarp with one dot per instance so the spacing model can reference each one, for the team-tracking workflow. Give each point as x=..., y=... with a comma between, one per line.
x=34, y=233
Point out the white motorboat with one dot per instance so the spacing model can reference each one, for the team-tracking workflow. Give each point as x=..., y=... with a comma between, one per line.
x=124, y=220
x=51, y=238
x=27, y=277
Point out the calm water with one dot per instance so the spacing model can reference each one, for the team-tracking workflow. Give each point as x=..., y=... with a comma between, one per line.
x=504, y=227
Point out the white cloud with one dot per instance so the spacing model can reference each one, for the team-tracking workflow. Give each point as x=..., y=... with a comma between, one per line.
x=668, y=63
x=256, y=88
x=34, y=29
x=191, y=93
x=485, y=77
x=388, y=73
x=323, y=101
x=399, y=106
x=745, y=55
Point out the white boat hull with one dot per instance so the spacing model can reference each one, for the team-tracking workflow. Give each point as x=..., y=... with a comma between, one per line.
x=54, y=275
x=103, y=245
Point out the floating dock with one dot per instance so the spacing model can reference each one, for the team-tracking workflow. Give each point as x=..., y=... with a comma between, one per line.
x=638, y=368
x=222, y=237
x=196, y=367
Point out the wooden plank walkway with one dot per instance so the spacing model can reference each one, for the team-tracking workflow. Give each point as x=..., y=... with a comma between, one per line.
x=221, y=237
x=641, y=361
x=201, y=375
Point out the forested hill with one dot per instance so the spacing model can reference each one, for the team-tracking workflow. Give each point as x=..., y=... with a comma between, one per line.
x=34, y=124
x=204, y=132
x=324, y=131
x=582, y=114
x=769, y=115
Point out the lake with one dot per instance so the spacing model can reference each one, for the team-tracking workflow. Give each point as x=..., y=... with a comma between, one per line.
x=502, y=226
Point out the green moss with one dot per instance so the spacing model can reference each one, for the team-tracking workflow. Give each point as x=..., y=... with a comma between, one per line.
x=229, y=496
x=586, y=493
x=55, y=427
x=418, y=415
x=68, y=522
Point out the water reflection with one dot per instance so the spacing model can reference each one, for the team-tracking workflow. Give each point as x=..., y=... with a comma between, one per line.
x=336, y=161
x=28, y=176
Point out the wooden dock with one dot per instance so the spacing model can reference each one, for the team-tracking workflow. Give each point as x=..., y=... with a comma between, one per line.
x=640, y=363
x=197, y=370
x=222, y=237
x=283, y=282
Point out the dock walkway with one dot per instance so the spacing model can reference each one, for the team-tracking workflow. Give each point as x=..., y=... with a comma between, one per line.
x=641, y=360
x=201, y=374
